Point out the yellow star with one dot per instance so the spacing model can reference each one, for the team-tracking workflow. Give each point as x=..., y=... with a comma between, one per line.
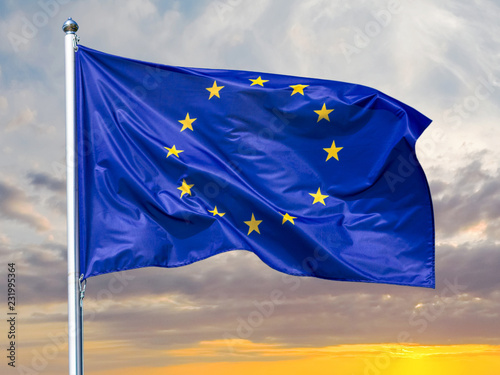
x=253, y=225
x=214, y=90
x=287, y=217
x=185, y=188
x=187, y=123
x=173, y=151
x=258, y=81
x=323, y=113
x=318, y=197
x=298, y=89
x=333, y=151
x=215, y=212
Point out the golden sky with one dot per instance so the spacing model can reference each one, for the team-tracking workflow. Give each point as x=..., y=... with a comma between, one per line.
x=373, y=359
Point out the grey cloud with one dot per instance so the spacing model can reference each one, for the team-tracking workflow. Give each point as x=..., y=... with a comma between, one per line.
x=57, y=204
x=208, y=300
x=474, y=265
x=47, y=181
x=41, y=270
x=40, y=179
x=15, y=205
x=471, y=196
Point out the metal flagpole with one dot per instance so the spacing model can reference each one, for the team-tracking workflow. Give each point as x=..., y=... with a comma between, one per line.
x=75, y=292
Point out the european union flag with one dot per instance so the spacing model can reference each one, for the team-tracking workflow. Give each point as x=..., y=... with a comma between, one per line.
x=317, y=178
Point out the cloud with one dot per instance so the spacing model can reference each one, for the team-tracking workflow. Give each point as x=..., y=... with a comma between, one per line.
x=4, y=240
x=4, y=104
x=473, y=265
x=15, y=205
x=57, y=205
x=431, y=55
x=468, y=202
x=25, y=117
x=40, y=179
x=42, y=271
x=230, y=297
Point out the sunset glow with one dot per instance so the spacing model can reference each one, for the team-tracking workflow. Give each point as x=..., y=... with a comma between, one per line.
x=387, y=359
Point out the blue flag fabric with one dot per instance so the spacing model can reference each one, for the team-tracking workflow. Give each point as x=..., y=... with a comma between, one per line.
x=317, y=178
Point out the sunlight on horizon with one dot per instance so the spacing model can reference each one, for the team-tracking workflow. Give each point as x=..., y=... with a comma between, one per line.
x=363, y=359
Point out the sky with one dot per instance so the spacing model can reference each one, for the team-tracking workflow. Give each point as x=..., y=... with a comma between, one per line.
x=219, y=315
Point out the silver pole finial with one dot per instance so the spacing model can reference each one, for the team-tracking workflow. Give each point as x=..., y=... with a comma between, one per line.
x=70, y=26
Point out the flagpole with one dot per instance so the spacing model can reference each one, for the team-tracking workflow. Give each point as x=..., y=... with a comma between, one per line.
x=75, y=313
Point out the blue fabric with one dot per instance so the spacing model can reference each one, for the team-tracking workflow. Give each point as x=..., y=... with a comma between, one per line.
x=256, y=151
